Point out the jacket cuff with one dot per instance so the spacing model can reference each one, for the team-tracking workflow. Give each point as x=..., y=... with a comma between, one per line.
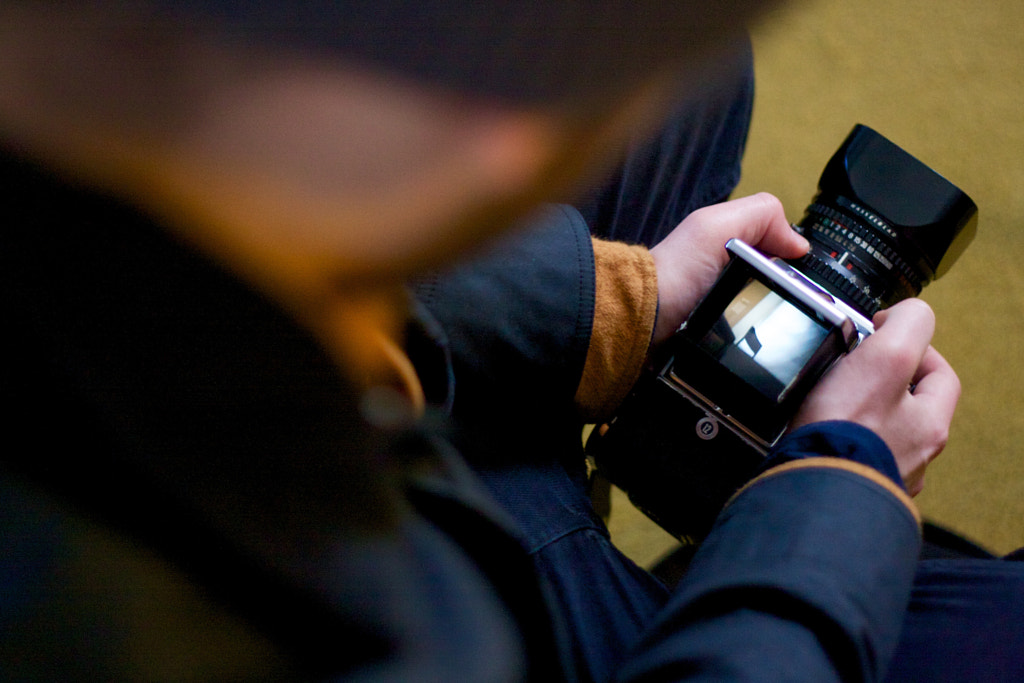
x=839, y=445
x=626, y=304
x=839, y=438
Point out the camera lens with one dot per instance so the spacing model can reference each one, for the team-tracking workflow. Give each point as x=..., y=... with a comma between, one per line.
x=883, y=225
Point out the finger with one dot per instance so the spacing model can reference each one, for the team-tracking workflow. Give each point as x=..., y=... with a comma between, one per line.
x=879, y=318
x=768, y=229
x=902, y=309
x=897, y=349
x=937, y=385
x=908, y=313
x=902, y=337
x=914, y=483
x=758, y=220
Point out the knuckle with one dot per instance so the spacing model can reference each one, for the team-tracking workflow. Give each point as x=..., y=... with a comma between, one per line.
x=701, y=219
x=916, y=487
x=939, y=437
x=955, y=386
x=768, y=202
x=893, y=355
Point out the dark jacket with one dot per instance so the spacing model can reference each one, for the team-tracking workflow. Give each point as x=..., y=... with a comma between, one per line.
x=191, y=490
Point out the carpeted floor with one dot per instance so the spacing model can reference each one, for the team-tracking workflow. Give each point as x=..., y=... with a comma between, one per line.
x=944, y=80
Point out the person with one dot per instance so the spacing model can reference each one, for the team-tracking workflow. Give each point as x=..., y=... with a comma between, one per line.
x=222, y=464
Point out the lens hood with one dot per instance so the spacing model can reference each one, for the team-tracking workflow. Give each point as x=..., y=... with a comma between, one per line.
x=933, y=221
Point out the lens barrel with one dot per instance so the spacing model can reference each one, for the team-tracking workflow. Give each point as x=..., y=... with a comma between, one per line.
x=883, y=225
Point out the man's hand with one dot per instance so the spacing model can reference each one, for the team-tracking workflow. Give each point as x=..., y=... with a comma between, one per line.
x=895, y=384
x=691, y=257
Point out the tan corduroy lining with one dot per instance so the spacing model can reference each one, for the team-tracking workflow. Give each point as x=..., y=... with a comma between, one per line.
x=840, y=464
x=626, y=293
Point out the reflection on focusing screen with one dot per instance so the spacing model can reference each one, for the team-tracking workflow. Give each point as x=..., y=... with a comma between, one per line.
x=777, y=335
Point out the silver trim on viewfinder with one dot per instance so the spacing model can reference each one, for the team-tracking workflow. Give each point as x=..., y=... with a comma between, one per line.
x=801, y=289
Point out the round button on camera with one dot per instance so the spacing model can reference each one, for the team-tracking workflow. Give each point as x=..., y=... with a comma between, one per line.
x=707, y=428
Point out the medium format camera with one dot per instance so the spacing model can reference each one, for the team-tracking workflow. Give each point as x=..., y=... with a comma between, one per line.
x=722, y=390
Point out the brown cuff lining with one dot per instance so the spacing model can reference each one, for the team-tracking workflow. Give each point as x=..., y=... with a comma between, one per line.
x=626, y=304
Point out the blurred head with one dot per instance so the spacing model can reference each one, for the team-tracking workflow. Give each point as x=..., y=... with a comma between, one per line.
x=314, y=142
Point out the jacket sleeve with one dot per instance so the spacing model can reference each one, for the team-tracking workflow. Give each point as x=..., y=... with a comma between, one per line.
x=518, y=319
x=806, y=575
x=518, y=315
x=547, y=321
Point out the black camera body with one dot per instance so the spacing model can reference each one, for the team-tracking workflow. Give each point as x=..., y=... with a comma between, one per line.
x=722, y=390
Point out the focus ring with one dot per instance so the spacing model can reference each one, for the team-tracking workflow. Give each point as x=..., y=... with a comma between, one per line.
x=831, y=278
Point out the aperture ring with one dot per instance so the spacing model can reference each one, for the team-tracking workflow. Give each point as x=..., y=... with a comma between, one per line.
x=849, y=233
